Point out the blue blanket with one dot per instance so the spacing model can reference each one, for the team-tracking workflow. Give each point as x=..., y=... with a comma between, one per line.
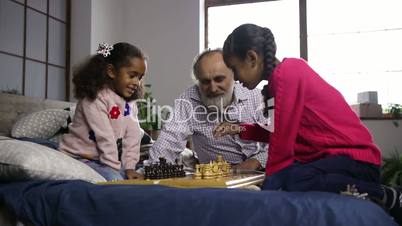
x=81, y=203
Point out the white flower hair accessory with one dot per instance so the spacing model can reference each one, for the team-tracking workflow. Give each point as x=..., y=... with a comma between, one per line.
x=104, y=49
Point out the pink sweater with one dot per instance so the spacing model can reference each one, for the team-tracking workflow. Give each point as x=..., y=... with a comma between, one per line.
x=311, y=121
x=96, y=127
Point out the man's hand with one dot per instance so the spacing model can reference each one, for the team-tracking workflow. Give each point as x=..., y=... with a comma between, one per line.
x=226, y=128
x=249, y=164
x=131, y=174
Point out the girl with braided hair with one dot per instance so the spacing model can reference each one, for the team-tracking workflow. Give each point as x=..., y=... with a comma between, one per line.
x=317, y=143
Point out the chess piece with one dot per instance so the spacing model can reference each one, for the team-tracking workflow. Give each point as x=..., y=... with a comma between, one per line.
x=207, y=172
x=182, y=173
x=163, y=170
x=226, y=168
x=162, y=161
x=197, y=174
x=147, y=172
x=215, y=170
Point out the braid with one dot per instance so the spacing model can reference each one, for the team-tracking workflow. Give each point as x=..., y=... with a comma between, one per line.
x=259, y=39
x=269, y=51
x=269, y=63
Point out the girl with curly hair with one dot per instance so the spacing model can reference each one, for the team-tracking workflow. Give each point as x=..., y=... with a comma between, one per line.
x=105, y=132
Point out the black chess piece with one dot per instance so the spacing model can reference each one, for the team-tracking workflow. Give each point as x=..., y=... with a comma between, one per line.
x=162, y=161
x=147, y=170
x=163, y=170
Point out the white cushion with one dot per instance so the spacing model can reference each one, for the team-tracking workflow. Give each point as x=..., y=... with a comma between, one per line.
x=42, y=124
x=22, y=160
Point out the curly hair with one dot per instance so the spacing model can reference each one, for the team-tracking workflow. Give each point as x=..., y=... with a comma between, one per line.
x=90, y=77
x=259, y=39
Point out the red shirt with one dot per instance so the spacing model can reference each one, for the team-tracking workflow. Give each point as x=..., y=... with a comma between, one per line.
x=311, y=121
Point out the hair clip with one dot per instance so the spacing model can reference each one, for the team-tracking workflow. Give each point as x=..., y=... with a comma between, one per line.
x=104, y=49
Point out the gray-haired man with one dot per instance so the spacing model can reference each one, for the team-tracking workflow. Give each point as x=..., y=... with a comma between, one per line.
x=200, y=108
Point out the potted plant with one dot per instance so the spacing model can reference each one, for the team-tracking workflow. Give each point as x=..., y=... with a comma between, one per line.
x=393, y=111
x=391, y=173
x=11, y=91
x=149, y=113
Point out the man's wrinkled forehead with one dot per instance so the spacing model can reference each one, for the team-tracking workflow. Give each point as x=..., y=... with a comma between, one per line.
x=212, y=66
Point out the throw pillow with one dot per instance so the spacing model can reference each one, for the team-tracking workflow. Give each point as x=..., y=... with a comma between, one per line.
x=23, y=160
x=42, y=124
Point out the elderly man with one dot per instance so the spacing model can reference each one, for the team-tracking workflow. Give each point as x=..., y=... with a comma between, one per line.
x=216, y=98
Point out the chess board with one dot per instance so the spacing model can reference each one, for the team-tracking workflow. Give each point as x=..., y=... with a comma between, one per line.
x=237, y=179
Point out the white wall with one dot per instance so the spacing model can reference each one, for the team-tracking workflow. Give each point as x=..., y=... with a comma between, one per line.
x=108, y=20
x=387, y=134
x=168, y=31
x=94, y=22
x=80, y=34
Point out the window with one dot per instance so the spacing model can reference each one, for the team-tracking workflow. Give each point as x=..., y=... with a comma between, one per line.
x=282, y=17
x=357, y=48
x=354, y=45
x=34, y=44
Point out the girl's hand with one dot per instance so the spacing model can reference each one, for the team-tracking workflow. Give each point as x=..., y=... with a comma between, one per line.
x=226, y=128
x=131, y=174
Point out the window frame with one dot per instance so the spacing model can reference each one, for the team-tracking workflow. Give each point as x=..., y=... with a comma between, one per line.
x=303, y=37
x=46, y=62
x=302, y=19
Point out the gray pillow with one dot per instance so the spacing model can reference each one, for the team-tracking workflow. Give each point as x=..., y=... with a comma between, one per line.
x=22, y=160
x=42, y=124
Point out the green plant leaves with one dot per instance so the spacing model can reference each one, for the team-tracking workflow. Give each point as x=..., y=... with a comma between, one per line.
x=392, y=170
